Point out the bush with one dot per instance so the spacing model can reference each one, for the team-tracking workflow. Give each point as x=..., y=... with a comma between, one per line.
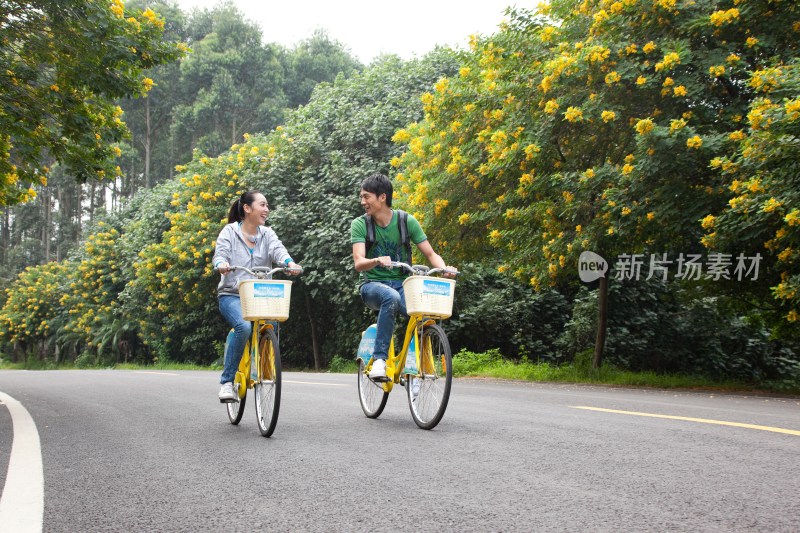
x=494, y=310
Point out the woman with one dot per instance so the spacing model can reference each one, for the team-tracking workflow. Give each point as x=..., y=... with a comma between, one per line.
x=244, y=241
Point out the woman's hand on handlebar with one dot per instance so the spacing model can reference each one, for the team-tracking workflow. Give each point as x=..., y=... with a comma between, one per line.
x=450, y=272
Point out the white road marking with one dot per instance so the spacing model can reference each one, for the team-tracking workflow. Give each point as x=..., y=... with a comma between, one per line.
x=154, y=372
x=316, y=383
x=22, y=502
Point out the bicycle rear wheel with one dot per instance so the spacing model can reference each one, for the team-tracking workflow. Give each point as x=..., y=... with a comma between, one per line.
x=429, y=391
x=236, y=409
x=268, y=386
x=370, y=394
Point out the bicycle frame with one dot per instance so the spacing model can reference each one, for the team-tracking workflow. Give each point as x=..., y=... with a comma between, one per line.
x=251, y=355
x=396, y=362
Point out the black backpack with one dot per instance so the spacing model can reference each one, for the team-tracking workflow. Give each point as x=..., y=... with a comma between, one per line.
x=402, y=223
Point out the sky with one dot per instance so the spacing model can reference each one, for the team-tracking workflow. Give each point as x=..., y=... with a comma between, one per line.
x=407, y=28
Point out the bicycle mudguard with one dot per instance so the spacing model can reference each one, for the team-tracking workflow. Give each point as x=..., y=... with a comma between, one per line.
x=367, y=344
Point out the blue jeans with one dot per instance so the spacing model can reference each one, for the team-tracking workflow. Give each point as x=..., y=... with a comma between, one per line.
x=387, y=298
x=231, y=310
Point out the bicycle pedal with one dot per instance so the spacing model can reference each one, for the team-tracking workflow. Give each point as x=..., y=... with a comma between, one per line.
x=383, y=379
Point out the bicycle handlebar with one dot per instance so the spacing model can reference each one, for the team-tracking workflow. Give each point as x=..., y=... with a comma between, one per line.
x=422, y=270
x=265, y=271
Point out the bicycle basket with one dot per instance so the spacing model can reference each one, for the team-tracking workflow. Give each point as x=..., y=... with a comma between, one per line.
x=265, y=299
x=427, y=296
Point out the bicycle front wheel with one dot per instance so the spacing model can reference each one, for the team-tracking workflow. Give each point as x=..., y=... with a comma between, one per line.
x=429, y=391
x=370, y=394
x=268, y=385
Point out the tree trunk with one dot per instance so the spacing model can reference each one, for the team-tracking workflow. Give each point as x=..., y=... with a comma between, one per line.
x=314, y=343
x=48, y=220
x=602, y=322
x=5, y=236
x=147, y=141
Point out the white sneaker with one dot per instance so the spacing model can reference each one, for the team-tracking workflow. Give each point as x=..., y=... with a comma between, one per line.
x=226, y=393
x=378, y=370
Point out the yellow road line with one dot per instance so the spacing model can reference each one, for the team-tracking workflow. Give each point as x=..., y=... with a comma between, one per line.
x=316, y=383
x=690, y=419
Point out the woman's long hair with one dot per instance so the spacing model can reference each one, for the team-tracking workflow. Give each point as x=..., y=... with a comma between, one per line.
x=236, y=212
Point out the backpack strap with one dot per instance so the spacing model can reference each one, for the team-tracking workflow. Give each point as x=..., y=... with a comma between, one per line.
x=370, y=240
x=405, y=240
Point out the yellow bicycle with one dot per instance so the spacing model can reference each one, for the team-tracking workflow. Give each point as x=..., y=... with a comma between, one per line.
x=424, y=365
x=264, y=302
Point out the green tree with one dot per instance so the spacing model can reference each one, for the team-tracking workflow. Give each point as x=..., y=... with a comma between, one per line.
x=150, y=157
x=313, y=61
x=231, y=84
x=589, y=126
x=61, y=66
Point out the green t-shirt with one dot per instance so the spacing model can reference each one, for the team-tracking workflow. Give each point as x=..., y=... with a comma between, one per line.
x=387, y=242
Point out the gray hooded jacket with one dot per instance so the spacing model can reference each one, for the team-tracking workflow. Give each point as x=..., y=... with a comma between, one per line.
x=232, y=248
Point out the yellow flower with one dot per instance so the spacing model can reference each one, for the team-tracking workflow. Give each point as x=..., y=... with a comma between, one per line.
x=551, y=107
x=118, y=8
x=718, y=18
x=589, y=172
x=463, y=219
x=612, y=77
x=568, y=196
x=793, y=218
x=680, y=90
x=669, y=82
x=651, y=215
x=738, y=135
x=645, y=126
x=649, y=47
x=716, y=71
x=708, y=222
x=627, y=169
x=793, y=109
x=733, y=58
x=608, y=116
x=147, y=84
x=751, y=42
x=676, y=124
x=573, y=114
x=641, y=80
x=792, y=316
x=771, y=205
x=694, y=142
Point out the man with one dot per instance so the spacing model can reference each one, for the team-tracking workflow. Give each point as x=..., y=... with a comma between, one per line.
x=382, y=286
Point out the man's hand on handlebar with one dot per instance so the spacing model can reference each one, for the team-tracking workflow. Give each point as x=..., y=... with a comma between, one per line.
x=293, y=269
x=224, y=268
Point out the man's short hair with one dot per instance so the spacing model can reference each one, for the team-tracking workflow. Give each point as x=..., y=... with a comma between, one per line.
x=378, y=184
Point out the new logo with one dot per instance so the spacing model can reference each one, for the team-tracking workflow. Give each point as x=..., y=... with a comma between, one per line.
x=591, y=267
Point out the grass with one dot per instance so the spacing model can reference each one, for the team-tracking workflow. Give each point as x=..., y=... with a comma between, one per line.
x=491, y=364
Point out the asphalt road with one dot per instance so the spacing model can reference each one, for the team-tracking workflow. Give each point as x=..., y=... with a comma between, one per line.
x=153, y=451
